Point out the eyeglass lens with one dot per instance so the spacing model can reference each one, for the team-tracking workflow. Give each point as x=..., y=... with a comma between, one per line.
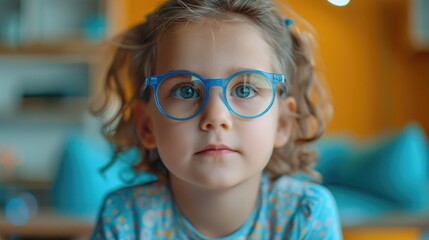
x=183, y=95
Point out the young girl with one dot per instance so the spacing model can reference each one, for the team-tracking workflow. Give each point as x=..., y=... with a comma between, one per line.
x=216, y=96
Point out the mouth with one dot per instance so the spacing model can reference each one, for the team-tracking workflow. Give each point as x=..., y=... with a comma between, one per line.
x=213, y=149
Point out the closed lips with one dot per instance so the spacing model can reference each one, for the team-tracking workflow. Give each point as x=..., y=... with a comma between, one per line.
x=216, y=148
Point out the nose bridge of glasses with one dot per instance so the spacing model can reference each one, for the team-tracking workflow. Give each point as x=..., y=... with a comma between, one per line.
x=221, y=83
x=215, y=82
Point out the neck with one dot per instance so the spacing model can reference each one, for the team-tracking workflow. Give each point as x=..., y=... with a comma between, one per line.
x=216, y=213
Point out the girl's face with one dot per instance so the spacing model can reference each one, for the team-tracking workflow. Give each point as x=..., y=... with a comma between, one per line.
x=216, y=149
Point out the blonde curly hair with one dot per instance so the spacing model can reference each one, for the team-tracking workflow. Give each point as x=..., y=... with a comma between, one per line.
x=134, y=60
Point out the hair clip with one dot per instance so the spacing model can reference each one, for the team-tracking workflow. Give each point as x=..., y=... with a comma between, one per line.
x=289, y=22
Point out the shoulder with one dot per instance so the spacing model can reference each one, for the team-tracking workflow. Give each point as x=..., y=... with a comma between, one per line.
x=134, y=210
x=309, y=208
x=142, y=197
x=298, y=190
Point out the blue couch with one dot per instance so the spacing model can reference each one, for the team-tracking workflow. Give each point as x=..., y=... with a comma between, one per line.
x=387, y=174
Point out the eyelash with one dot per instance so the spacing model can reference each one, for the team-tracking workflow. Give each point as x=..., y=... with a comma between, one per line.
x=254, y=89
x=174, y=89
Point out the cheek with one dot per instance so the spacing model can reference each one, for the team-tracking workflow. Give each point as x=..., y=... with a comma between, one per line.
x=259, y=133
x=173, y=138
x=262, y=131
x=168, y=134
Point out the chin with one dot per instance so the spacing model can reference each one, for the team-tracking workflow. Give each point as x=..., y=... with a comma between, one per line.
x=218, y=181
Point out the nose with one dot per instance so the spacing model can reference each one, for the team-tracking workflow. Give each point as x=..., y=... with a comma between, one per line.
x=216, y=115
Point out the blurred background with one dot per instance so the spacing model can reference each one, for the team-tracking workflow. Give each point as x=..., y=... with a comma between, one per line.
x=374, y=157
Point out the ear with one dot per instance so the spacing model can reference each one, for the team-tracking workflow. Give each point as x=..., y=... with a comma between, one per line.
x=287, y=107
x=144, y=125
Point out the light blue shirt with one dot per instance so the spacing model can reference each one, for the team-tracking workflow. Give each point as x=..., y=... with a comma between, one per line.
x=287, y=209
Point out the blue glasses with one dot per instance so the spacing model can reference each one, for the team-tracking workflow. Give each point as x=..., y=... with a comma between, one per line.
x=182, y=95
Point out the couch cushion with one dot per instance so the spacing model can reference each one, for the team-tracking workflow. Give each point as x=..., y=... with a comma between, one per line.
x=79, y=187
x=393, y=167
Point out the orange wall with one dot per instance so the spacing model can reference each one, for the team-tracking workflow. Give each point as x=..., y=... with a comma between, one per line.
x=377, y=80
x=138, y=9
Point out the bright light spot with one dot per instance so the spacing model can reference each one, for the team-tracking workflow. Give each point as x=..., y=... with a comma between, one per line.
x=17, y=212
x=20, y=209
x=340, y=3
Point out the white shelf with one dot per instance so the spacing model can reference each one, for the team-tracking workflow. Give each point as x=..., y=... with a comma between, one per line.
x=419, y=24
x=28, y=21
x=49, y=63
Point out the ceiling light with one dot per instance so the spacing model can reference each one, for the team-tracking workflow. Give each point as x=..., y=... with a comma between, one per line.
x=340, y=3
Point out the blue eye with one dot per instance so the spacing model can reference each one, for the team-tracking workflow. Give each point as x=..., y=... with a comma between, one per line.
x=243, y=91
x=185, y=92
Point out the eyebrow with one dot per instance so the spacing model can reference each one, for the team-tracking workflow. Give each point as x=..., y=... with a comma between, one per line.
x=230, y=71
x=238, y=69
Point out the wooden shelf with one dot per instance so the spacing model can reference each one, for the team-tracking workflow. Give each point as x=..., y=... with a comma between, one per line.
x=48, y=223
x=25, y=184
x=405, y=219
x=72, y=50
x=381, y=233
x=70, y=110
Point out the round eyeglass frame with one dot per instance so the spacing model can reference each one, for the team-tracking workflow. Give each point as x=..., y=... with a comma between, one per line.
x=274, y=78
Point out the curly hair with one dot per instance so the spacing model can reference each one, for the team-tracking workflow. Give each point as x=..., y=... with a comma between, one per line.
x=135, y=58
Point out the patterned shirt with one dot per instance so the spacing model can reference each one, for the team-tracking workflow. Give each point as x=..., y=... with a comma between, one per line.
x=287, y=209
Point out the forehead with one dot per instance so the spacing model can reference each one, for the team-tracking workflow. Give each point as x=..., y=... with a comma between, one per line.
x=213, y=47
